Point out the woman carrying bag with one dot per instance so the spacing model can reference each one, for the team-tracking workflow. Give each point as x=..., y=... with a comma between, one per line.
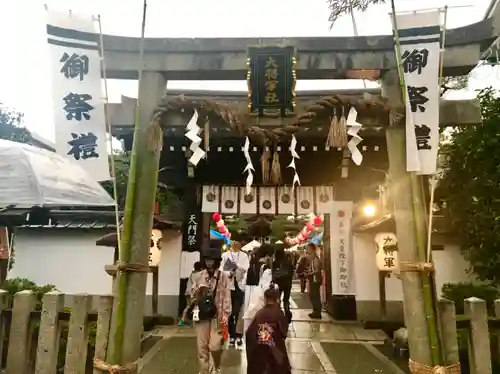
x=213, y=309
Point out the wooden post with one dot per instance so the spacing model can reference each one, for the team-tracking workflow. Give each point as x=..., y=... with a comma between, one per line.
x=402, y=196
x=103, y=326
x=20, y=340
x=78, y=335
x=479, y=338
x=382, y=275
x=48, y=336
x=449, y=332
x=497, y=315
x=4, y=304
x=154, y=298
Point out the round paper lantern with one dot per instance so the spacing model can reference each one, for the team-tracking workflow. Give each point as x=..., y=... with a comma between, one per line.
x=309, y=226
x=155, y=247
x=387, y=258
x=317, y=221
x=216, y=217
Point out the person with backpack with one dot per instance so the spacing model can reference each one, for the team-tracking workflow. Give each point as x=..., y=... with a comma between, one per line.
x=213, y=299
x=190, y=301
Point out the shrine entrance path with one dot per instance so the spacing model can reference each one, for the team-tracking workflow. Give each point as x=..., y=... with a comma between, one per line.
x=326, y=347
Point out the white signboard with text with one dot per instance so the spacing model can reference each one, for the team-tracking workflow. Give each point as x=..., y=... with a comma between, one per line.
x=340, y=248
x=78, y=100
x=420, y=40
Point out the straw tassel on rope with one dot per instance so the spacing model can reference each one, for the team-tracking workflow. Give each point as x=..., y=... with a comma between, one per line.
x=341, y=131
x=337, y=133
x=264, y=161
x=276, y=168
x=154, y=134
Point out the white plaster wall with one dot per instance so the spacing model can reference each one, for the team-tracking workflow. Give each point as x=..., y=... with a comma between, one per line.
x=449, y=263
x=169, y=267
x=67, y=258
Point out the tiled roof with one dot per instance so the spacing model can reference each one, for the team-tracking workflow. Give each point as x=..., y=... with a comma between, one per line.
x=73, y=225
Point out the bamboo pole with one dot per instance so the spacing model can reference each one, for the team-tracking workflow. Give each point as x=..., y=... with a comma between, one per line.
x=419, y=218
x=108, y=127
x=128, y=311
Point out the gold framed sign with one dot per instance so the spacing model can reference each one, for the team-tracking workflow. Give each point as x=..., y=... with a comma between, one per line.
x=271, y=79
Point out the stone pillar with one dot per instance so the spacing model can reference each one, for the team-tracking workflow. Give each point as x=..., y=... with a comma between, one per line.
x=151, y=88
x=402, y=198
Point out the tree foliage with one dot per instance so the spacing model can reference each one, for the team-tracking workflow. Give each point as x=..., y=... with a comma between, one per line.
x=11, y=125
x=122, y=165
x=470, y=188
x=340, y=7
x=454, y=83
x=165, y=196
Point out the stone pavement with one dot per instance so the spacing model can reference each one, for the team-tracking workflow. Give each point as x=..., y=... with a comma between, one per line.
x=314, y=347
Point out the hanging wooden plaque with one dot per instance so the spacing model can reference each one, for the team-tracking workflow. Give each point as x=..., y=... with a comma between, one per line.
x=271, y=80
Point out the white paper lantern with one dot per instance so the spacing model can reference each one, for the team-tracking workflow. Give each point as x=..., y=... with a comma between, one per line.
x=155, y=247
x=387, y=255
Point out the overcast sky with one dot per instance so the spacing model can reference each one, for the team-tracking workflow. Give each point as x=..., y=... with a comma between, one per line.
x=24, y=69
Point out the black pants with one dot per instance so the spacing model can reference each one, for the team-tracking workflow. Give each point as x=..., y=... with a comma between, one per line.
x=315, y=296
x=303, y=283
x=237, y=299
x=285, y=288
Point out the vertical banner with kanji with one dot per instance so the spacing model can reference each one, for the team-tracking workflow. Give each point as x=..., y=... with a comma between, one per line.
x=340, y=248
x=420, y=41
x=192, y=227
x=78, y=100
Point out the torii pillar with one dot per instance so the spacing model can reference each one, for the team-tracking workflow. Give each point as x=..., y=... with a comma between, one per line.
x=402, y=196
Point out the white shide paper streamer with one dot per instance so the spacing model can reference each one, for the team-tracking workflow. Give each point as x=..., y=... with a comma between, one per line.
x=293, y=145
x=249, y=168
x=353, y=128
x=193, y=131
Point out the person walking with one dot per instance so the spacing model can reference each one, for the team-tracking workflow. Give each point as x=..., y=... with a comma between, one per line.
x=282, y=270
x=258, y=275
x=301, y=269
x=266, y=336
x=235, y=263
x=214, y=308
x=314, y=274
x=190, y=301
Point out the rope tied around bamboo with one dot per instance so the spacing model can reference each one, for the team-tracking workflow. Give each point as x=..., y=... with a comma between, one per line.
x=131, y=268
x=410, y=266
x=417, y=368
x=114, y=369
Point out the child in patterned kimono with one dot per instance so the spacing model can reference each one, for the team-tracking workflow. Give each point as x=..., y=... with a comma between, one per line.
x=265, y=338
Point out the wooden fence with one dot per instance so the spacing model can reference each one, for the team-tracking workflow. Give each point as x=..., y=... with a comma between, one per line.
x=478, y=326
x=48, y=338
